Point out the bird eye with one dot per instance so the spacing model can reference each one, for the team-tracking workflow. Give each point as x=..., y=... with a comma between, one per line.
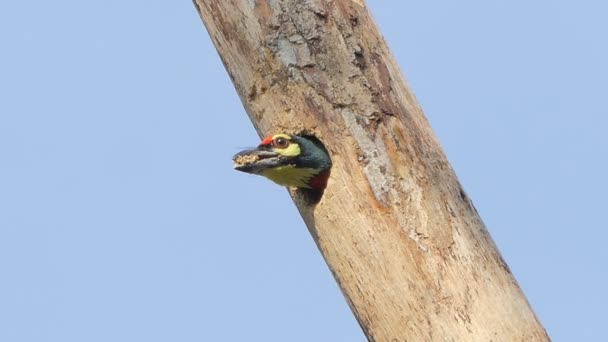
x=281, y=142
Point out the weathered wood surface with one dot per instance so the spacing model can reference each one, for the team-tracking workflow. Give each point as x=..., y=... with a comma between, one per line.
x=398, y=232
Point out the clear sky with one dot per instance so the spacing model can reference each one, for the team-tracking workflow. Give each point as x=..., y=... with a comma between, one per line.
x=122, y=220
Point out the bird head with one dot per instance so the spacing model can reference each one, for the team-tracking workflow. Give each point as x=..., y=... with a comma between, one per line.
x=288, y=160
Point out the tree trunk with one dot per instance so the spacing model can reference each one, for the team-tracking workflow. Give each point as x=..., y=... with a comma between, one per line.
x=402, y=239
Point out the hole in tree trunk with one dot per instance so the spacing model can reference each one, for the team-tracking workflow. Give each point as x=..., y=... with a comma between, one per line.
x=313, y=196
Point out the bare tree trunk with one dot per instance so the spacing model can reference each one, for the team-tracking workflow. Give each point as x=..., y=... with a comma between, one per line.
x=398, y=232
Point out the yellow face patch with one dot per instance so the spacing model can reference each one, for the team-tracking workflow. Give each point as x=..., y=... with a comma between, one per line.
x=284, y=136
x=282, y=144
x=292, y=150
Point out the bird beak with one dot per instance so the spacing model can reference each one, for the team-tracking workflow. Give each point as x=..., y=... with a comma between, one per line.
x=257, y=160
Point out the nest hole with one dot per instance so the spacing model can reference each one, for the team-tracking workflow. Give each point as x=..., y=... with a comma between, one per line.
x=313, y=196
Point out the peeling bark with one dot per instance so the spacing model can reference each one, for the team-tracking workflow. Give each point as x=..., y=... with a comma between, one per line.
x=398, y=232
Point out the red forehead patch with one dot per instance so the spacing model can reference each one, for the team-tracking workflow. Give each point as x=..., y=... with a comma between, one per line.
x=267, y=141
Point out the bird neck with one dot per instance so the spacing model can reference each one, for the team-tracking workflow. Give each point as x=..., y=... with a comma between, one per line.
x=319, y=182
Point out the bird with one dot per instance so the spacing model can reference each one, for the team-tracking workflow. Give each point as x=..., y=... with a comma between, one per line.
x=289, y=160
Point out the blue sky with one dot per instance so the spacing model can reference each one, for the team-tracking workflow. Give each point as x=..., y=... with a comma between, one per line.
x=122, y=220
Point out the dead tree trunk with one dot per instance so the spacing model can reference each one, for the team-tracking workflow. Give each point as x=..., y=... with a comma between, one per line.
x=398, y=232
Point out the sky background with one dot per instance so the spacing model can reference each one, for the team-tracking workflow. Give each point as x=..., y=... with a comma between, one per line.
x=121, y=218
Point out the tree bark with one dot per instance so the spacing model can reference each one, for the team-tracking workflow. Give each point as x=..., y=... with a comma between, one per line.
x=402, y=239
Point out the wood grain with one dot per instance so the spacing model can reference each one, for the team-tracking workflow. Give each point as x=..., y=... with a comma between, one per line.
x=401, y=237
